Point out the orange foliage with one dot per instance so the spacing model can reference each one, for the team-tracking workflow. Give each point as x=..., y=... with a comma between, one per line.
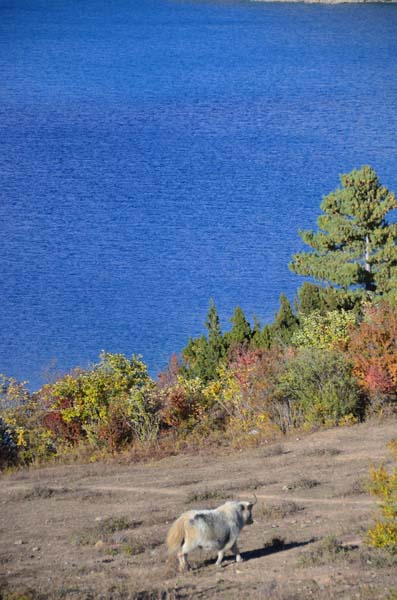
x=256, y=371
x=243, y=363
x=179, y=406
x=373, y=350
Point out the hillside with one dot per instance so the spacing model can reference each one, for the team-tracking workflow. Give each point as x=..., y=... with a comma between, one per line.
x=97, y=531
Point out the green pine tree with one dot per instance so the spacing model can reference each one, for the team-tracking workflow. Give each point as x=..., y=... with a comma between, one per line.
x=192, y=355
x=314, y=298
x=355, y=248
x=216, y=348
x=240, y=334
x=204, y=354
x=309, y=299
x=285, y=322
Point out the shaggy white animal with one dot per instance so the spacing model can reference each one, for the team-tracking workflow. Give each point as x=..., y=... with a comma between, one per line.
x=216, y=529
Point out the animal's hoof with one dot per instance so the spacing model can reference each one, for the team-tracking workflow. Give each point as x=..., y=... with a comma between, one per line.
x=239, y=559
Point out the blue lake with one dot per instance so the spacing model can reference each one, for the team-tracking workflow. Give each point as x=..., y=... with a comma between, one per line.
x=156, y=154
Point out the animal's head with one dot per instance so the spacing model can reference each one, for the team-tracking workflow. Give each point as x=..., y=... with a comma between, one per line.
x=246, y=511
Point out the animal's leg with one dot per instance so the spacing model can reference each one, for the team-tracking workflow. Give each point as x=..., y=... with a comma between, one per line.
x=221, y=554
x=236, y=551
x=183, y=562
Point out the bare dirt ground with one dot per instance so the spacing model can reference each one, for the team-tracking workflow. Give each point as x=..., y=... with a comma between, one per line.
x=97, y=531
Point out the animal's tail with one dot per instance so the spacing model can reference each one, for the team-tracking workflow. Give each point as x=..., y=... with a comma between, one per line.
x=176, y=536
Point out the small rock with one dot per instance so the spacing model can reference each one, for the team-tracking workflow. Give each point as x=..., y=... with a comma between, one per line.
x=98, y=518
x=35, y=549
x=18, y=542
x=100, y=544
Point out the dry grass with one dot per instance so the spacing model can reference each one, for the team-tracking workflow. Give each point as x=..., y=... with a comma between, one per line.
x=354, y=488
x=280, y=510
x=221, y=495
x=322, y=452
x=377, y=558
x=274, y=450
x=129, y=508
x=119, y=591
x=372, y=592
x=104, y=530
x=44, y=492
x=326, y=551
x=304, y=484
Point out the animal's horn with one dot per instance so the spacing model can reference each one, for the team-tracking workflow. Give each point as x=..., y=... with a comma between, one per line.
x=256, y=500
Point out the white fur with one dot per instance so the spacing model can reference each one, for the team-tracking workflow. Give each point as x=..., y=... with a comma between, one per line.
x=216, y=529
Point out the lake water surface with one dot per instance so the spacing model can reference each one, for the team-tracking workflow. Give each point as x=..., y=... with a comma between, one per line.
x=155, y=154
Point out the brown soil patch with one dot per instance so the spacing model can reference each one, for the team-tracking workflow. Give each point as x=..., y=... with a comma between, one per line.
x=97, y=531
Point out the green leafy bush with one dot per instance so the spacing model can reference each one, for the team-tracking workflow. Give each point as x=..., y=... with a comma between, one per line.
x=317, y=387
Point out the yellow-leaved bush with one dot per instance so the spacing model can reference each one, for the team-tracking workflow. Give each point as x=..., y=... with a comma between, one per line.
x=383, y=485
x=107, y=405
x=324, y=331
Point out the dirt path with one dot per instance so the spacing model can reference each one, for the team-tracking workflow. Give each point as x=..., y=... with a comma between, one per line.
x=97, y=531
x=181, y=494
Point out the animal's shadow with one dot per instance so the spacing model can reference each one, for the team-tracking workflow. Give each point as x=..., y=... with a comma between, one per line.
x=276, y=545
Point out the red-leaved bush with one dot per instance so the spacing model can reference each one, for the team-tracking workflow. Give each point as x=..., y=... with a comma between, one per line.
x=71, y=431
x=373, y=351
x=178, y=406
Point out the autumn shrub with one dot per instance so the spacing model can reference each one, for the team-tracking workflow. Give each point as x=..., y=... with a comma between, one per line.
x=179, y=405
x=317, y=387
x=244, y=391
x=169, y=376
x=373, y=351
x=8, y=445
x=233, y=403
x=190, y=406
x=22, y=414
x=330, y=330
x=107, y=405
x=383, y=485
x=256, y=372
